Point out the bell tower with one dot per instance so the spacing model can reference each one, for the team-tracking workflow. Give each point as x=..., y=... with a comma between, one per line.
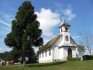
x=64, y=31
x=64, y=27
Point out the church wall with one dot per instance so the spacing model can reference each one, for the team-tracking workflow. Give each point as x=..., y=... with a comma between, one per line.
x=74, y=52
x=64, y=42
x=48, y=58
x=65, y=52
x=61, y=54
x=56, y=53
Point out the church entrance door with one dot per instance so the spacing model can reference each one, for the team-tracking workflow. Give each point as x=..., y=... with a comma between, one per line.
x=69, y=53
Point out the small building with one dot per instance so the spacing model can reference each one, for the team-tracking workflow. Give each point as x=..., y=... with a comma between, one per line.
x=1, y=60
x=60, y=47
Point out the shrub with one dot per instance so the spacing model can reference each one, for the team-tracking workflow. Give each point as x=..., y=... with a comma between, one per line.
x=44, y=64
x=88, y=57
x=73, y=59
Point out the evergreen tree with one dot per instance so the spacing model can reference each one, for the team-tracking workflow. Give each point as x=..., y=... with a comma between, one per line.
x=25, y=33
x=6, y=56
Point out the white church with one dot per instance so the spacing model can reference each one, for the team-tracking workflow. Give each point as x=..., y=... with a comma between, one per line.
x=60, y=47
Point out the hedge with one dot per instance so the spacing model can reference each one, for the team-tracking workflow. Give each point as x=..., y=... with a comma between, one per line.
x=88, y=57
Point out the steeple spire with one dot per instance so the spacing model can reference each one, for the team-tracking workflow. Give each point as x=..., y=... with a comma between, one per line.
x=64, y=23
x=64, y=27
x=63, y=20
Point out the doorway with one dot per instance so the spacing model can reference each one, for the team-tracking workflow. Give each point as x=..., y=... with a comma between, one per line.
x=69, y=53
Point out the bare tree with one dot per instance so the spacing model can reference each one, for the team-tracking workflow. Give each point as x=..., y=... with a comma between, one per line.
x=81, y=51
x=87, y=41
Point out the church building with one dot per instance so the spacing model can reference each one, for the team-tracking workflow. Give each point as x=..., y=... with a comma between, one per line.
x=60, y=47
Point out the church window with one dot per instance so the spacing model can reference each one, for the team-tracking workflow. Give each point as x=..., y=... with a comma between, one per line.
x=61, y=29
x=49, y=52
x=66, y=28
x=66, y=38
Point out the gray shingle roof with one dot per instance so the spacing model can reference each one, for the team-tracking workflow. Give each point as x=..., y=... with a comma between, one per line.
x=50, y=43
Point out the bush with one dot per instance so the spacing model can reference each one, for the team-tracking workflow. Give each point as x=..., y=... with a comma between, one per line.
x=44, y=64
x=73, y=59
x=88, y=57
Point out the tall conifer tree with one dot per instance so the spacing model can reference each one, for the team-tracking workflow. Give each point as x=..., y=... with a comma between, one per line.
x=25, y=33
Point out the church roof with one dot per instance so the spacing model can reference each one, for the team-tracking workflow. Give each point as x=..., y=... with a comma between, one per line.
x=64, y=23
x=50, y=43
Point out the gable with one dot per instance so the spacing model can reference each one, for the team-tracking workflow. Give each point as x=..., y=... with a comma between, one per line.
x=50, y=43
x=72, y=41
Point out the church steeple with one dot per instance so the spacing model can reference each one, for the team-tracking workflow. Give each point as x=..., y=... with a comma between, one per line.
x=64, y=31
x=64, y=27
x=63, y=20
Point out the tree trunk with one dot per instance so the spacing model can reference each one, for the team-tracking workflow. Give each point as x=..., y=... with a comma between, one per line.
x=23, y=60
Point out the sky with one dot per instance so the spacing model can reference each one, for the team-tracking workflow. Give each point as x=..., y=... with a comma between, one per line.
x=78, y=13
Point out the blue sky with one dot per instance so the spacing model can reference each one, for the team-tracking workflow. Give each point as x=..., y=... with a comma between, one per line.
x=79, y=14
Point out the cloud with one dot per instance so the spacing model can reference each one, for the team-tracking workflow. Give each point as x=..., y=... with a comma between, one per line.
x=5, y=28
x=36, y=49
x=48, y=21
x=5, y=23
x=8, y=18
x=68, y=12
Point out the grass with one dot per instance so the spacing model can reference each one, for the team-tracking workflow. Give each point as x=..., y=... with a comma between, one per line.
x=70, y=65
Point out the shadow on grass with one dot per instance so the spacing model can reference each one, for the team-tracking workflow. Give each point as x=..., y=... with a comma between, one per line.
x=45, y=64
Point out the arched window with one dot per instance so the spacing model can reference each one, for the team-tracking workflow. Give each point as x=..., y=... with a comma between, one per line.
x=66, y=28
x=67, y=39
x=61, y=29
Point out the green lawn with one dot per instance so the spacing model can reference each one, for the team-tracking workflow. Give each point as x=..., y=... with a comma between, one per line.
x=70, y=65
